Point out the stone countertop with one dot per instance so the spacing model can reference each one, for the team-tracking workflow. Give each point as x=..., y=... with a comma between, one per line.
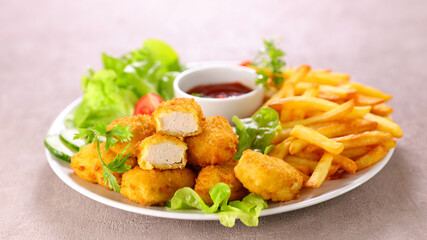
x=45, y=47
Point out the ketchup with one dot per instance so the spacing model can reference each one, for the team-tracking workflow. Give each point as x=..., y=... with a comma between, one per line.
x=220, y=90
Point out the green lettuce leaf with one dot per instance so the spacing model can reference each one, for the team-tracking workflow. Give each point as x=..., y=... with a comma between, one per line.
x=103, y=100
x=186, y=198
x=247, y=210
x=257, y=132
x=113, y=92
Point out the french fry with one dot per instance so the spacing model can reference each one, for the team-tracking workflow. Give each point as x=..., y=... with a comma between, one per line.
x=319, y=79
x=315, y=138
x=301, y=87
x=297, y=146
x=329, y=96
x=385, y=125
x=309, y=156
x=304, y=176
x=333, y=114
x=333, y=169
x=364, y=139
x=355, y=152
x=312, y=103
x=300, y=73
x=292, y=159
x=281, y=150
x=369, y=91
x=345, y=163
x=312, y=149
x=382, y=110
x=371, y=157
x=344, y=93
x=334, y=75
x=390, y=144
x=321, y=171
x=281, y=135
x=311, y=91
x=285, y=115
x=337, y=175
x=364, y=100
x=297, y=114
x=304, y=168
x=350, y=127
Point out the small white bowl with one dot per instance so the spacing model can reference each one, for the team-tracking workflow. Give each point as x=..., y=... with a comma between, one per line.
x=242, y=106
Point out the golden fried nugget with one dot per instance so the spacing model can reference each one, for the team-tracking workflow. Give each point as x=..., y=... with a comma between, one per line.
x=215, y=145
x=270, y=177
x=141, y=126
x=161, y=152
x=213, y=174
x=87, y=166
x=179, y=117
x=86, y=163
x=154, y=187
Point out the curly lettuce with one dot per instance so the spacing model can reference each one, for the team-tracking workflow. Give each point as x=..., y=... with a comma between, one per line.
x=256, y=132
x=247, y=210
x=112, y=92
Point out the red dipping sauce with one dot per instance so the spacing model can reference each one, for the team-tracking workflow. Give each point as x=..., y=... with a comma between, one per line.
x=220, y=90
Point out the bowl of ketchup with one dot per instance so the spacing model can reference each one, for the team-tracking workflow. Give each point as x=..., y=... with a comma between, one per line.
x=221, y=89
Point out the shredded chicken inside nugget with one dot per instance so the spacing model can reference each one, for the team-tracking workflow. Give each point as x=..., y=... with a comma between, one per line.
x=86, y=164
x=141, y=126
x=179, y=117
x=161, y=152
x=154, y=187
x=211, y=175
x=215, y=145
x=270, y=177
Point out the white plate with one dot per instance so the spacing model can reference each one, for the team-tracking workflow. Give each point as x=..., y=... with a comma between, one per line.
x=309, y=196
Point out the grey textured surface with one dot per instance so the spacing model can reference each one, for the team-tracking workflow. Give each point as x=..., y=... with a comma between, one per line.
x=45, y=46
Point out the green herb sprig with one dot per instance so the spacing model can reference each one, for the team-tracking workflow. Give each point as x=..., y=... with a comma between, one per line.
x=96, y=134
x=270, y=57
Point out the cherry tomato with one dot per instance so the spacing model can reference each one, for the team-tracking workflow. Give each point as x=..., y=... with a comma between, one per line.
x=147, y=104
x=245, y=63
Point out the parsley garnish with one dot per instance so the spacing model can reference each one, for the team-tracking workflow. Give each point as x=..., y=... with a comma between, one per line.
x=98, y=132
x=270, y=57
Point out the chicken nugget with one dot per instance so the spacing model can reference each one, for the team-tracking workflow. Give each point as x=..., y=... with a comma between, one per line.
x=87, y=166
x=141, y=126
x=179, y=117
x=107, y=157
x=86, y=163
x=213, y=174
x=215, y=145
x=154, y=187
x=270, y=177
x=161, y=152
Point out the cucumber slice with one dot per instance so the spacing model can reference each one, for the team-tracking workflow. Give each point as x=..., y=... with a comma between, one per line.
x=67, y=136
x=59, y=150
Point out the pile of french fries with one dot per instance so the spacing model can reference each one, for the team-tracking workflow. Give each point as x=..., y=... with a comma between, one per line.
x=330, y=125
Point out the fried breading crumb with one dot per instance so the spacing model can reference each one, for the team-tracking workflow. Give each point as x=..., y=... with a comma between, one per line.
x=215, y=145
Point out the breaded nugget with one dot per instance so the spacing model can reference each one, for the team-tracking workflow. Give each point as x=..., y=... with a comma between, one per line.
x=141, y=126
x=161, y=152
x=179, y=117
x=215, y=145
x=154, y=187
x=107, y=157
x=86, y=163
x=270, y=177
x=213, y=174
x=87, y=166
